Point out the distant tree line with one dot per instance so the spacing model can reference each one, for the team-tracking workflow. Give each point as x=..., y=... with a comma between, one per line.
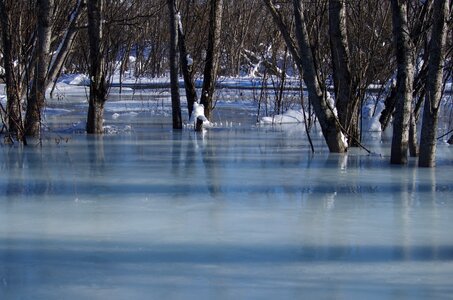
x=405, y=47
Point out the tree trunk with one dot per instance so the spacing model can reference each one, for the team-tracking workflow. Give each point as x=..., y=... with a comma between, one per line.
x=327, y=120
x=13, y=111
x=37, y=97
x=65, y=46
x=174, y=78
x=98, y=84
x=303, y=56
x=346, y=103
x=212, y=56
x=187, y=71
x=434, y=84
x=405, y=80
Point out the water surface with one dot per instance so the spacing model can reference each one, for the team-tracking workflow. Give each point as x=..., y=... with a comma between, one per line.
x=235, y=213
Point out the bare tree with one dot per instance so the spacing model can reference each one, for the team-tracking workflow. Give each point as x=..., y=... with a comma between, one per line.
x=212, y=56
x=187, y=70
x=98, y=84
x=305, y=59
x=434, y=84
x=13, y=87
x=38, y=90
x=405, y=80
x=174, y=78
x=346, y=101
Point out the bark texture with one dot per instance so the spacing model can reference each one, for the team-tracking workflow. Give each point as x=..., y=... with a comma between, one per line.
x=212, y=56
x=187, y=71
x=346, y=104
x=405, y=79
x=37, y=97
x=174, y=78
x=434, y=84
x=98, y=84
x=327, y=120
x=13, y=107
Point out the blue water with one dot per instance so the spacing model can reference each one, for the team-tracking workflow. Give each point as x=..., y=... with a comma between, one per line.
x=235, y=213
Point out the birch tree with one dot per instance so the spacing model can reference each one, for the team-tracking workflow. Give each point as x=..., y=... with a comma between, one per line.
x=38, y=90
x=434, y=84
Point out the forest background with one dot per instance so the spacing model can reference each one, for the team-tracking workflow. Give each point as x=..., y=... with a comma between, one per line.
x=338, y=50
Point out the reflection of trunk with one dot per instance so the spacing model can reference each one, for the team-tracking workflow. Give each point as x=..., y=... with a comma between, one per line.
x=38, y=90
x=174, y=78
x=405, y=79
x=13, y=113
x=187, y=71
x=346, y=103
x=434, y=84
x=330, y=128
x=98, y=84
x=212, y=56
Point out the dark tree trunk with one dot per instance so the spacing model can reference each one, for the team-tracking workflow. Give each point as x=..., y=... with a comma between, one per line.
x=13, y=111
x=330, y=128
x=187, y=71
x=434, y=84
x=98, y=84
x=174, y=78
x=346, y=102
x=212, y=56
x=303, y=56
x=38, y=90
x=405, y=80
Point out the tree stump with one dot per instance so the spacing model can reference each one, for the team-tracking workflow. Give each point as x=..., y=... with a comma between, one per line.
x=199, y=124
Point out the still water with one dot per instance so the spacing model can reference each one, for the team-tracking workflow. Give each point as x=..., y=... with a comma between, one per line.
x=234, y=213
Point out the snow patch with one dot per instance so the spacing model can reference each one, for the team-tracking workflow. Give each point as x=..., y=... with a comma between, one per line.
x=289, y=117
x=75, y=79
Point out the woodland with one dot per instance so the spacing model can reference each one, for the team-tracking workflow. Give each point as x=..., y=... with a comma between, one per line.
x=337, y=49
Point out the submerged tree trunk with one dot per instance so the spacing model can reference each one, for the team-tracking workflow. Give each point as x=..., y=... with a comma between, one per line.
x=327, y=120
x=38, y=90
x=187, y=71
x=405, y=80
x=174, y=78
x=434, y=84
x=303, y=56
x=346, y=104
x=212, y=56
x=98, y=84
x=13, y=111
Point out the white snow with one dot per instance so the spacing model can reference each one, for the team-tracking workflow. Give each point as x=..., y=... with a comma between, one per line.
x=289, y=117
x=198, y=113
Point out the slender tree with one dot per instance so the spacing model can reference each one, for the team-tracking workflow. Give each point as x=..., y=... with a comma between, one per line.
x=98, y=84
x=187, y=70
x=434, y=84
x=174, y=78
x=405, y=80
x=13, y=106
x=212, y=56
x=38, y=90
x=346, y=102
x=66, y=44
